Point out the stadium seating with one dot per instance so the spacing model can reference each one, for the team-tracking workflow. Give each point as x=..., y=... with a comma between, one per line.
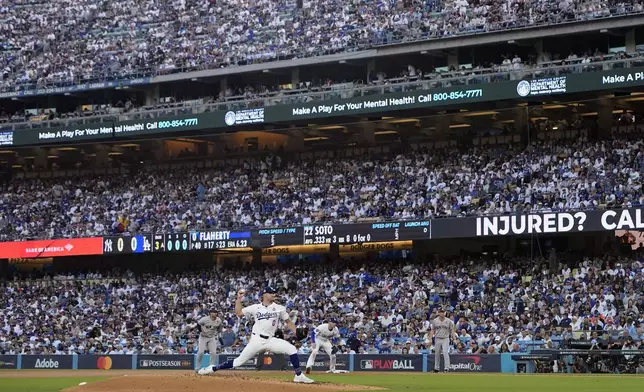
x=511, y=304
x=97, y=41
x=549, y=175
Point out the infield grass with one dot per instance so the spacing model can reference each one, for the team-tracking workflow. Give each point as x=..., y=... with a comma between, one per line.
x=43, y=384
x=488, y=382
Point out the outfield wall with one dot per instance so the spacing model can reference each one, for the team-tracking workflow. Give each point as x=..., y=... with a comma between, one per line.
x=353, y=363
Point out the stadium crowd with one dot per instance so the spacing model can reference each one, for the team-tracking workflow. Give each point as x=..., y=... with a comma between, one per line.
x=67, y=42
x=269, y=191
x=505, y=304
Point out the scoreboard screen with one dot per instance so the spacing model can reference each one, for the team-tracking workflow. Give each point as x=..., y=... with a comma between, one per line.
x=127, y=244
x=219, y=239
x=366, y=232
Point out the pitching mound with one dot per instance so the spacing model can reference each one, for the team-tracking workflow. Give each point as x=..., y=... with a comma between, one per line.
x=189, y=383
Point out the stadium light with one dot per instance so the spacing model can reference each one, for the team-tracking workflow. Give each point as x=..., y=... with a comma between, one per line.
x=313, y=139
x=403, y=120
x=390, y=132
x=476, y=114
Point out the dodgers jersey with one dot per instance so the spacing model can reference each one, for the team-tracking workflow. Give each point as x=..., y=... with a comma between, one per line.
x=209, y=327
x=266, y=318
x=324, y=333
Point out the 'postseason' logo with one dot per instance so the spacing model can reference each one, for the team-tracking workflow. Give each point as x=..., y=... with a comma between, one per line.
x=523, y=88
x=230, y=118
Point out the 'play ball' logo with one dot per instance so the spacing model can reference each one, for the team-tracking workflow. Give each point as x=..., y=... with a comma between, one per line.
x=523, y=88
x=230, y=118
x=104, y=363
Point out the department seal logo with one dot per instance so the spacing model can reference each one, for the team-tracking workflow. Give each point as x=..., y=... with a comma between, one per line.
x=523, y=88
x=230, y=118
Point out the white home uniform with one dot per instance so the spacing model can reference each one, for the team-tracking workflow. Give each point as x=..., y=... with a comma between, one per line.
x=323, y=336
x=266, y=319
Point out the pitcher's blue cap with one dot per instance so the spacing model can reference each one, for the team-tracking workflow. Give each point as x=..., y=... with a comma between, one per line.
x=269, y=290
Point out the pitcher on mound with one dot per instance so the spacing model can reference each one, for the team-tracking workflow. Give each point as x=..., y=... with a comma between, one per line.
x=266, y=315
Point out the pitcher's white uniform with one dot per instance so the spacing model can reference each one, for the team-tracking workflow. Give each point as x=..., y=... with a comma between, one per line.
x=323, y=336
x=266, y=319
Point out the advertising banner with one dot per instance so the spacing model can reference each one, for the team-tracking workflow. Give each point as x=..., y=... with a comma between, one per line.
x=52, y=248
x=8, y=362
x=47, y=362
x=422, y=97
x=539, y=223
x=322, y=363
x=75, y=88
x=389, y=363
x=105, y=362
x=250, y=365
x=282, y=362
x=468, y=363
x=165, y=362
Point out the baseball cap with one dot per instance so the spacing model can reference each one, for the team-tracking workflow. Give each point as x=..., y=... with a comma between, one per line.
x=269, y=290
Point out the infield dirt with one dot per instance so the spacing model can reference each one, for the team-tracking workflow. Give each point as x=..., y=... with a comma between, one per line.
x=171, y=381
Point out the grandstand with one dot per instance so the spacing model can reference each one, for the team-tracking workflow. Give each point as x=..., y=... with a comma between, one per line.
x=373, y=161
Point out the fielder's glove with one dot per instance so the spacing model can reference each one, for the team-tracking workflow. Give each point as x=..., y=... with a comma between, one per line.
x=334, y=350
x=301, y=333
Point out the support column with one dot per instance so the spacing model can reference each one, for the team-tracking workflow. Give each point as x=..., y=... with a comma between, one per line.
x=223, y=84
x=538, y=48
x=334, y=252
x=257, y=257
x=102, y=158
x=605, y=118
x=40, y=160
x=371, y=69
x=152, y=95
x=295, y=140
x=521, y=124
x=631, y=43
x=442, y=124
x=295, y=76
x=368, y=133
x=452, y=58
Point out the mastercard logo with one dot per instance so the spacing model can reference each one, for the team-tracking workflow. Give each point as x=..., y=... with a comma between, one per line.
x=268, y=360
x=104, y=363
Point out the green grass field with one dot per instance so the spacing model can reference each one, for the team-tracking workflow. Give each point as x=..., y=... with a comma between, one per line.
x=404, y=382
x=48, y=384
x=489, y=382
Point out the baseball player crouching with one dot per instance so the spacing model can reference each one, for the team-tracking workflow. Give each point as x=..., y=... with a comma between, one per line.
x=323, y=336
x=266, y=315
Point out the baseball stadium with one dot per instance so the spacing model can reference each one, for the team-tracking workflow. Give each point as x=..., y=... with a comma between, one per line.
x=300, y=195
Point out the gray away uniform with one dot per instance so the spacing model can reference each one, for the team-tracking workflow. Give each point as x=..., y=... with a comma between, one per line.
x=444, y=330
x=208, y=338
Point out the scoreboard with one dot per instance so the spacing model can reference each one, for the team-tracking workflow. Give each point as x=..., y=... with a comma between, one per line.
x=366, y=232
x=177, y=242
x=127, y=244
x=219, y=239
x=174, y=242
x=313, y=234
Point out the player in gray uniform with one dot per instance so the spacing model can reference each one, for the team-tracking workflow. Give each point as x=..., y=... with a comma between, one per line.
x=209, y=336
x=442, y=330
